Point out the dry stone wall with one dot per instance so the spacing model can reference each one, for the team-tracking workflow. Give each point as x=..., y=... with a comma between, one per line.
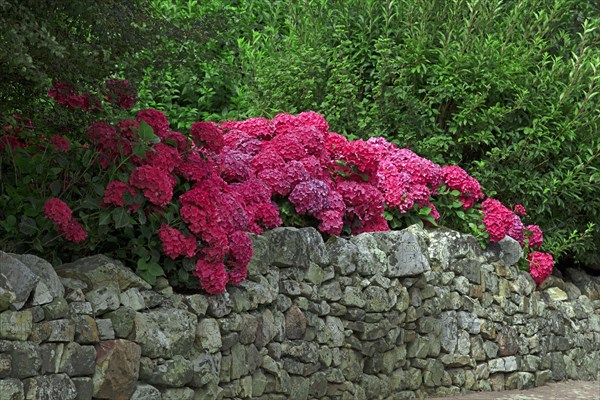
x=391, y=315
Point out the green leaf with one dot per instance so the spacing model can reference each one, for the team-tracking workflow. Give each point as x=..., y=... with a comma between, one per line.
x=104, y=218
x=430, y=219
x=120, y=217
x=460, y=214
x=425, y=211
x=455, y=193
x=28, y=227
x=56, y=188
x=146, y=133
x=155, y=269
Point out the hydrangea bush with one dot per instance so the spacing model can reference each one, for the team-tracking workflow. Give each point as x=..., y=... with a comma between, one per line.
x=185, y=204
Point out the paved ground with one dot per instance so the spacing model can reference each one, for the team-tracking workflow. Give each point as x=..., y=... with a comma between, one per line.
x=569, y=390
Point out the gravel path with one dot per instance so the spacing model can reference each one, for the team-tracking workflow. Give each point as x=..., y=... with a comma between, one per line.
x=569, y=390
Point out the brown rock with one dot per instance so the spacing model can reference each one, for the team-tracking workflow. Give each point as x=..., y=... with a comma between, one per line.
x=295, y=323
x=86, y=330
x=508, y=342
x=117, y=369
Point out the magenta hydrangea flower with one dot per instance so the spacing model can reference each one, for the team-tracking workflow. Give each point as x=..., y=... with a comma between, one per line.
x=497, y=219
x=212, y=275
x=457, y=178
x=154, y=182
x=156, y=119
x=309, y=197
x=175, y=243
x=540, y=266
x=534, y=235
x=208, y=135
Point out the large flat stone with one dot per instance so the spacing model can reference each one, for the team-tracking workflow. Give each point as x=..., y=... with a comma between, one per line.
x=16, y=277
x=100, y=271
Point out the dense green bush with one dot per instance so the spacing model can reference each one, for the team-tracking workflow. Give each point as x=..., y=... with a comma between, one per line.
x=506, y=89
x=83, y=43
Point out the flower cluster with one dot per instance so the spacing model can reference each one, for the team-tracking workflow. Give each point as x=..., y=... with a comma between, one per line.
x=500, y=222
x=115, y=192
x=66, y=95
x=60, y=143
x=175, y=243
x=59, y=212
x=541, y=265
x=457, y=178
x=226, y=180
x=121, y=93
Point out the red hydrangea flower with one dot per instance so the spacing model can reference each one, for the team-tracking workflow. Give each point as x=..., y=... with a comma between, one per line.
x=208, y=135
x=60, y=143
x=363, y=201
x=276, y=179
x=332, y=221
x=163, y=156
x=363, y=155
x=113, y=194
x=334, y=144
x=156, y=119
x=154, y=182
x=289, y=147
x=457, y=178
x=540, y=266
x=534, y=235
x=311, y=118
x=520, y=210
x=260, y=128
x=285, y=123
x=65, y=94
x=175, y=243
x=73, y=231
x=268, y=158
x=264, y=215
x=177, y=140
x=11, y=142
x=240, y=246
x=120, y=93
x=238, y=274
x=195, y=167
x=111, y=146
x=212, y=275
x=57, y=211
x=497, y=219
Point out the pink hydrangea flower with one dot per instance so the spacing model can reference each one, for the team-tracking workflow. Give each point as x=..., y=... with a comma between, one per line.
x=154, y=182
x=497, y=219
x=520, y=210
x=457, y=178
x=114, y=192
x=175, y=243
x=212, y=275
x=540, y=266
x=534, y=235
x=209, y=135
x=156, y=119
x=60, y=143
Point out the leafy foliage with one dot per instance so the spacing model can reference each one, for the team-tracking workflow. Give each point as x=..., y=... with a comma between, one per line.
x=82, y=43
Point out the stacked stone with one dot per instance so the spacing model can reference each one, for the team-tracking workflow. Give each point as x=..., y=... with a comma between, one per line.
x=386, y=315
